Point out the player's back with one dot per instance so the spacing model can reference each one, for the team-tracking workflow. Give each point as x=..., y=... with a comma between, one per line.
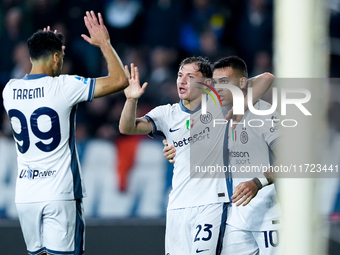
x=42, y=113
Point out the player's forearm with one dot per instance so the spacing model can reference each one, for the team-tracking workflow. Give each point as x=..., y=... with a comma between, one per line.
x=117, y=79
x=127, y=122
x=260, y=85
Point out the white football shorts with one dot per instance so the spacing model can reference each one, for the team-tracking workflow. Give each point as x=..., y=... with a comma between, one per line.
x=195, y=230
x=243, y=242
x=53, y=227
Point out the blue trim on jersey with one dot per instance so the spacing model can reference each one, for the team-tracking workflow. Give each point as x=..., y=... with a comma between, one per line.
x=34, y=76
x=160, y=133
x=80, y=228
x=91, y=90
x=154, y=131
x=77, y=189
x=229, y=179
x=222, y=228
x=184, y=109
x=59, y=252
x=154, y=128
x=38, y=252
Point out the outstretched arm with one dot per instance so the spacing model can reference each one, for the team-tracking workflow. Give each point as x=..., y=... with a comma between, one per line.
x=128, y=123
x=117, y=79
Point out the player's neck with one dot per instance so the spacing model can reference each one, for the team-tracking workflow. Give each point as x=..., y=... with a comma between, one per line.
x=191, y=104
x=40, y=68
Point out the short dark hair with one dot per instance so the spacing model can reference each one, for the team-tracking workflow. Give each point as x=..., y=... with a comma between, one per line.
x=204, y=65
x=234, y=62
x=42, y=43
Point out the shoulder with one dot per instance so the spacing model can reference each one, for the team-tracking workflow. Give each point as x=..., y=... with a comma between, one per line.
x=11, y=81
x=75, y=78
x=167, y=107
x=79, y=82
x=163, y=112
x=262, y=105
x=9, y=85
x=66, y=77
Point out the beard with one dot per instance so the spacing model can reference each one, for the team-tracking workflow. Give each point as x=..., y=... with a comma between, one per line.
x=56, y=72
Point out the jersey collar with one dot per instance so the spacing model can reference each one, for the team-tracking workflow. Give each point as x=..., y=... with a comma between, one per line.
x=184, y=109
x=34, y=76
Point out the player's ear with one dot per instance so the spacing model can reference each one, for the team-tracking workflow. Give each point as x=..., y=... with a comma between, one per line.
x=55, y=57
x=243, y=83
x=208, y=82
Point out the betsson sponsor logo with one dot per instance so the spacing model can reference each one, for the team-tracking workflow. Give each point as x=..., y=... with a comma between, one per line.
x=192, y=139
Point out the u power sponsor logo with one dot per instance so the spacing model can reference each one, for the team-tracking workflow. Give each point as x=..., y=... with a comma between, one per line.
x=33, y=174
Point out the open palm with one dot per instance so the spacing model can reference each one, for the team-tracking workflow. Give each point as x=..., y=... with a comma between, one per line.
x=97, y=29
x=134, y=90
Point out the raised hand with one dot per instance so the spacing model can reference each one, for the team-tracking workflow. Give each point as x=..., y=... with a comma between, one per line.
x=98, y=32
x=48, y=28
x=134, y=90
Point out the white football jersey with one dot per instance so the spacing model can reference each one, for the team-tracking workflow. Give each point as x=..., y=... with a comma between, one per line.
x=250, y=148
x=198, y=144
x=42, y=111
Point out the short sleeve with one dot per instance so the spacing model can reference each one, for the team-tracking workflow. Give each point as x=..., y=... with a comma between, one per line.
x=77, y=89
x=158, y=118
x=271, y=132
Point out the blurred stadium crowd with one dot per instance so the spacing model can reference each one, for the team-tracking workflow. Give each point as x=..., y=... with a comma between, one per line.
x=155, y=35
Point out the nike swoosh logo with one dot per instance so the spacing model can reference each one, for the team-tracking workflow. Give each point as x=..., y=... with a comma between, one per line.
x=173, y=130
x=198, y=251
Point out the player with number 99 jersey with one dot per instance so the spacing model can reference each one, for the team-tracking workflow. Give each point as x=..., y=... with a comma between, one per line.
x=42, y=111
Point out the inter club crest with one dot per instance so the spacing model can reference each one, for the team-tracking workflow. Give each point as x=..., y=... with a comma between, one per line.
x=206, y=118
x=244, y=137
